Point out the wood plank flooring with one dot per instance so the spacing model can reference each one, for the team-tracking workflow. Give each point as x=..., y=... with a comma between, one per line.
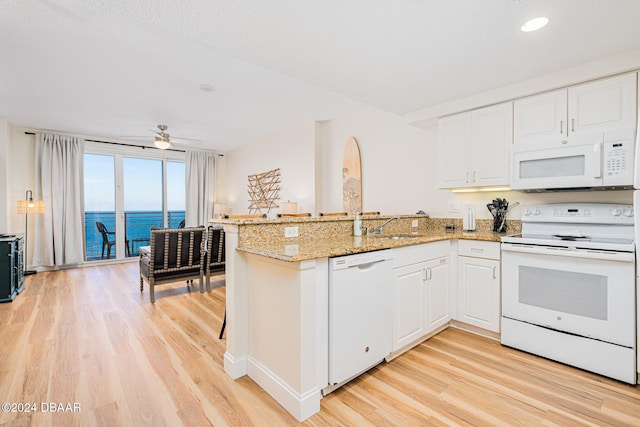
x=88, y=337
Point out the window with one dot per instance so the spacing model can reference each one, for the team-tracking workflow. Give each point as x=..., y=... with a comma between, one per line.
x=128, y=193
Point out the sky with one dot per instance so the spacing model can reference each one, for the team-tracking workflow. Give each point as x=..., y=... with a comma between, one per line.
x=142, y=184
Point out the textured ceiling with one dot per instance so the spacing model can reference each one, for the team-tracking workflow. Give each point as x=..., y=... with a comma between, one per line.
x=110, y=68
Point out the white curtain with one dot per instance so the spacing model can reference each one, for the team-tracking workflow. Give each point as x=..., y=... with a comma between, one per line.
x=59, y=232
x=200, y=184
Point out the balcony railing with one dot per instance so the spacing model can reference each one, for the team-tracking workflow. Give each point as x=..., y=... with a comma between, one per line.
x=137, y=226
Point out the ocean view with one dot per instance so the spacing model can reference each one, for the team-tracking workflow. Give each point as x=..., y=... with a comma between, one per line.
x=137, y=230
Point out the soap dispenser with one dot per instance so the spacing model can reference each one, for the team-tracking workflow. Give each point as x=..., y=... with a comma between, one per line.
x=357, y=226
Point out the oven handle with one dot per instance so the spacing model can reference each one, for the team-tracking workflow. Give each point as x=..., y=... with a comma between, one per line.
x=569, y=252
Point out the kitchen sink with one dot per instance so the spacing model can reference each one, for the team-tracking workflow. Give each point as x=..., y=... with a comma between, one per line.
x=395, y=236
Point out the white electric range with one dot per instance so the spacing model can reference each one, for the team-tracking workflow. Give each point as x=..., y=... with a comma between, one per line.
x=569, y=287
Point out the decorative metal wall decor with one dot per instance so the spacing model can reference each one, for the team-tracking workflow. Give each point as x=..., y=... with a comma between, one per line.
x=264, y=190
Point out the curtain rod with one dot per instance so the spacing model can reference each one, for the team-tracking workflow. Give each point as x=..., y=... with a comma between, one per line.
x=144, y=147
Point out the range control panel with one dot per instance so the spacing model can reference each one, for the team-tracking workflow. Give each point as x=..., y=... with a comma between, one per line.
x=592, y=213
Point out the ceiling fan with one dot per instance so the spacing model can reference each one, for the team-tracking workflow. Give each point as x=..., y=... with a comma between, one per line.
x=163, y=140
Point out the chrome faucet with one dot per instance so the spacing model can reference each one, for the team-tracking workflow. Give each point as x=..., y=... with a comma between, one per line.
x=379, y=230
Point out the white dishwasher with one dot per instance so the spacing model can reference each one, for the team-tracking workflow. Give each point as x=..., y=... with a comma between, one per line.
x=360, y=314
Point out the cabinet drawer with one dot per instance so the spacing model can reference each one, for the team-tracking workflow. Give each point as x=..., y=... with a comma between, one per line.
x=479, y=249
x=408, y=255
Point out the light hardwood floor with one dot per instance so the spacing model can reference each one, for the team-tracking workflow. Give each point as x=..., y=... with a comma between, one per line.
x=88, y=336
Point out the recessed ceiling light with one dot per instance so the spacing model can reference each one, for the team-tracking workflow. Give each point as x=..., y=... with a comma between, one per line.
x=206, y=87
x=534, y=24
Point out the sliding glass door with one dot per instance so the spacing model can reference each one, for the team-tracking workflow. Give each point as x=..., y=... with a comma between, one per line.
x=143, y=200
x=125, y=195
x=99, y=207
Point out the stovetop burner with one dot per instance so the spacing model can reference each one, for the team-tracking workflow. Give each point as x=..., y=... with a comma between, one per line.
x=570, y=237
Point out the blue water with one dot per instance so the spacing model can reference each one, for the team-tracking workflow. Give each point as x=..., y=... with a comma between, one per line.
x=137, y=224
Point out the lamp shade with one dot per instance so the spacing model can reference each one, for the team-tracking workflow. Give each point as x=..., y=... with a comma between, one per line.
x=288, y=207
x=220, y=209
x=30, y=207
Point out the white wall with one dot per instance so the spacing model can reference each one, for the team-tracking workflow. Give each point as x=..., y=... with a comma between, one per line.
x=396, y=177
x=291, y=151
x=399, y=167
x=399, y=162
x=4, y=173
x=21, y=177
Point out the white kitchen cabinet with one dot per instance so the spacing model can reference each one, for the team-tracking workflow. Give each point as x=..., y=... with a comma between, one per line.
x=540, y=118
x=421, y=291
x=436, y=294
x=474, y=147
x=454, y=139
x=479, y=284
x=409, y=308
x=579, y=112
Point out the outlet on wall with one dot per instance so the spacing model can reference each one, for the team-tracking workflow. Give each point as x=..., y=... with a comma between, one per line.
x=291, y=232
x=454, y=207
x=414, y=223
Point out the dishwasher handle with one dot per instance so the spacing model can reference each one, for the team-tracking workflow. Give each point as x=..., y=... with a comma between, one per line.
x=367, y=266
x=363, y=260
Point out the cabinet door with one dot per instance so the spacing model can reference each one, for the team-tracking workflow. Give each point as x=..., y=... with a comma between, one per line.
x=479, y=292
x=603, y=105
x=540, y=119
x=454, y=139
x=437, y=294
x=408, y=307
x=492, y=137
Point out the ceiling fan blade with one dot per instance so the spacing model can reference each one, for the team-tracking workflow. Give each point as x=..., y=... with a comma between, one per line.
x=138, y=137
x=179, y=140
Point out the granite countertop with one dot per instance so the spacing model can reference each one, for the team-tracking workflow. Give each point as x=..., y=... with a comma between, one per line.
x=294, y=250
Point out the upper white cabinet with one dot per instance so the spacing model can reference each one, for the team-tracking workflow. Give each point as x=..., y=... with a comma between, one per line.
x=580, y=111
x=474, y=148
x=540, y=118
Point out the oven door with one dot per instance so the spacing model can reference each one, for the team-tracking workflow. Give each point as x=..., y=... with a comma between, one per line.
x=571, y=166
x=583, y=292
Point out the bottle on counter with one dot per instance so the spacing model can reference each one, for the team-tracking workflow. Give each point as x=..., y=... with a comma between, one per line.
x=357, y=226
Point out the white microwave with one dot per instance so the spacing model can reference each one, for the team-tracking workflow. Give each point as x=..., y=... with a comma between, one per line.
x=605, y=164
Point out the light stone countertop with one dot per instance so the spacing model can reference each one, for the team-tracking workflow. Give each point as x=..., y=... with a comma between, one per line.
x=295, y=250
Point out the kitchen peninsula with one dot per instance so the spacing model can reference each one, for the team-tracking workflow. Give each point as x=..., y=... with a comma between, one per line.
x=277, y=294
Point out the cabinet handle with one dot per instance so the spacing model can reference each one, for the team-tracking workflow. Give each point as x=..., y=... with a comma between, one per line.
x=474, y=176
x=573, y=125
x=562, y=126
x=477, y=250
x=428, y=273
x=467, y=177
x=494, y=272
x=424, y=274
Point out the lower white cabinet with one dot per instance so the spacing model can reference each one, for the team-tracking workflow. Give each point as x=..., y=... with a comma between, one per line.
x=479, y=284
x=421, y=291
x=436, y=294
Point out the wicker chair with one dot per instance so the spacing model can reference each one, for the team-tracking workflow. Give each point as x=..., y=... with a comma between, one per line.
x=215, y=259
x=174, y=254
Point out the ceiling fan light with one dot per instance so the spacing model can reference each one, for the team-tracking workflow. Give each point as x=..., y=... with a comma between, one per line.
x=162, y=143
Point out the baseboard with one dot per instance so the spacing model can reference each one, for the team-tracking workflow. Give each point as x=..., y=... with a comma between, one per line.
x=300, y=406
x=475, y=330
x=414, y=343
x=235, y=368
